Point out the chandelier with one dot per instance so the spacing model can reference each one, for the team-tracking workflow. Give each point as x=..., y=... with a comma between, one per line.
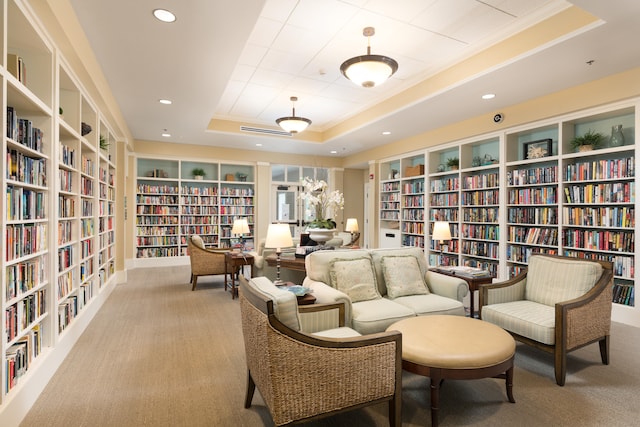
x=369, y=70
x=293, y=124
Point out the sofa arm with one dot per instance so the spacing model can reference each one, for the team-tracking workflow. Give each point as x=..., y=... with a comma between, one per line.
x=447, y=286
x=325, y=294
x=321, y=317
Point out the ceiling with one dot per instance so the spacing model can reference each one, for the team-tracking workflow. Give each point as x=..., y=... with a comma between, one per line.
x=226, y=64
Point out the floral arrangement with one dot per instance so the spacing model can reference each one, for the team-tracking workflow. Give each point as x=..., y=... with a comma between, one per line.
x=325, y=203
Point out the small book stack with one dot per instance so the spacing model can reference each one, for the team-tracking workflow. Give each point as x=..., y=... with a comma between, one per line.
x=466, y=271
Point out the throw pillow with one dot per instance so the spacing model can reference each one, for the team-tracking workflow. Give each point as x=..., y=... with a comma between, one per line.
x=402, y=276
x=355, y=278
x=197, y=241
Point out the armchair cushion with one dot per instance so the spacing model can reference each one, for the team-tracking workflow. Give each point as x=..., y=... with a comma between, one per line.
x=197, y=241
x=285, y=304
x=526, y=318
x=545, y=274
x=354, y=277
x=402, y=276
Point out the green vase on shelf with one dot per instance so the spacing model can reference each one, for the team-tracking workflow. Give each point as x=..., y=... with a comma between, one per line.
x=617, y=136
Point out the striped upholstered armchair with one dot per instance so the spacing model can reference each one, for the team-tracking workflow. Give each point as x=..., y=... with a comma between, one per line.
x=306, y=364
x=558, y=304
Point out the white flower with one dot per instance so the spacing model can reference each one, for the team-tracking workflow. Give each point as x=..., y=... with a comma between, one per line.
x=326, y=204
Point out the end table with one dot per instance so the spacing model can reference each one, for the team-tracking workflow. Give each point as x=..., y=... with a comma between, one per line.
x=234, y=261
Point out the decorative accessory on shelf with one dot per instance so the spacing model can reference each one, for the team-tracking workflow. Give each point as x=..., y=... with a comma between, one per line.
x=617, y=136
x=278, y=237
x=369, y=70
x=293, y=124
x=85, y=129
x=441, y=233
x=587, y=142
x=240, y=227
x=352, y=227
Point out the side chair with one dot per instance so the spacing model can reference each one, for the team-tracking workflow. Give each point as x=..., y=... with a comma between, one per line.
x=204, y=262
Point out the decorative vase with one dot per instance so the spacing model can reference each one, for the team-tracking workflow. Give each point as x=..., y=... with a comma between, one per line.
x=199, y=177
x=321, y=235
x=584, y=148
x=617, y=137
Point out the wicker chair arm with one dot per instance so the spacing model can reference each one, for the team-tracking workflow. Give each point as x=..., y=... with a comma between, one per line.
x=587, y=318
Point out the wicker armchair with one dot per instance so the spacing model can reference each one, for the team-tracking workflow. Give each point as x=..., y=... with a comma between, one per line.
x=204, y=262
x=303, y=376
x=558, y=304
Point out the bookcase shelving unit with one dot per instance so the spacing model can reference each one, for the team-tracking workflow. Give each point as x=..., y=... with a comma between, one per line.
x=390, y=201
x=480, y=205
x=50, y=211
x=525, y=190
x=172, y=204
x=412, y=195
x=532, y=197
x=444, y=205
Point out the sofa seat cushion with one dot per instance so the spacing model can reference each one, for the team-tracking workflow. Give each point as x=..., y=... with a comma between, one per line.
x=402, y=276
x=553, y=280
x=526, y=318
x=354, y=277
x=431, y=304
x=342, y=332
x=368, y=317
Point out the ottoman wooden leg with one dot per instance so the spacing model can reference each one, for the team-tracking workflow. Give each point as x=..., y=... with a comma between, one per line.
x=509, y=382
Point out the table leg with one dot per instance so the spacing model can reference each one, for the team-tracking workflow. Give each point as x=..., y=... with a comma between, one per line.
x=436, y=380
x=471, y=303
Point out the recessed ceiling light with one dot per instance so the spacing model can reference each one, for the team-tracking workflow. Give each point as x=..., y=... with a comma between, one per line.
x=488, y=96
x=258, y=145
x=165, y=101
x=164, y=15
x=333, y=152
x=386, y=132
x=166, y=135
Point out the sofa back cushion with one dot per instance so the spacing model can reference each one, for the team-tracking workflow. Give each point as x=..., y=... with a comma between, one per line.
x=285, y=303
x=318, y=263
x=402, y=276
x=552, y=280
x=378, y=254
x=354, y=277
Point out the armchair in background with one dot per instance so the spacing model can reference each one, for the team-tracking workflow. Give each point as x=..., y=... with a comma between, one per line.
x=292, y=357
x=558, y=304
x=204, y=262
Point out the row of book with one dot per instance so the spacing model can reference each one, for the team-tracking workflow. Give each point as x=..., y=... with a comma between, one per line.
x=483, y=249
x=156, y=189
x=413, y=201
x=25, y=239
x=156, y=200
x=480, y=214
x=24, y=276
x=486, y=232
x=26, y=169
x=533, y=215
x=534, y=235
x=25, y=204
x=623, y=266
x=622, y=217
x=481, y=198
x=445, y=184
x=533, y=176
x=616, y=192
x=415, y=187
x=19, y=316
x=624, y=294
x=601, y=169
x=20, y=355
x=533, y=196
x=603, y=240
x=488, y=180
x=23, y=132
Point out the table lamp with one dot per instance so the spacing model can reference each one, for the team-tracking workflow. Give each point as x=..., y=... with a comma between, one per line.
x=278, y=237
x=240, y=227
x=352, y=227
x=441, y=233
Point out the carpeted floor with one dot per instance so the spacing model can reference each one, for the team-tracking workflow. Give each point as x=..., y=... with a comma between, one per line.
x=158, y=354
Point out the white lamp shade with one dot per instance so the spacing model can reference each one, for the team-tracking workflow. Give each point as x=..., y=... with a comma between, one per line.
x=293, y=124
x=240, y=226
x=369, y=70
x=278, y=236
x=352, y=225
x=441, y=231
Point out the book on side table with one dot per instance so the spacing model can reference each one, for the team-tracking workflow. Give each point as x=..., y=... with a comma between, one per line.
x=464, y=271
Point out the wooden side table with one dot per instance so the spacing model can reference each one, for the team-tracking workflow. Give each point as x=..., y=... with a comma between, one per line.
x=473, y=282
x=233, y=262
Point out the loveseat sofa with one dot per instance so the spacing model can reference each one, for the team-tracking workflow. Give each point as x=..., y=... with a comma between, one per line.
x=382, y=286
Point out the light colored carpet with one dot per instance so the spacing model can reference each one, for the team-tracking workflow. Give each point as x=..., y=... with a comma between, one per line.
x=158, y=354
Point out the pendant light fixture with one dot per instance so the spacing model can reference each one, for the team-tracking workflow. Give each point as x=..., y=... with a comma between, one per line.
x=369, y=70
x=293, y=124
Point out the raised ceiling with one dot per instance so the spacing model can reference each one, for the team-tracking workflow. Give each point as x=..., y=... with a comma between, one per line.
x=230, y=64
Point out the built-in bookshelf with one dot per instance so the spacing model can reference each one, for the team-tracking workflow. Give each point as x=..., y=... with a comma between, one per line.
x=522, y=191
x=173, y=203
x=50, y=210
x=412, y=190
